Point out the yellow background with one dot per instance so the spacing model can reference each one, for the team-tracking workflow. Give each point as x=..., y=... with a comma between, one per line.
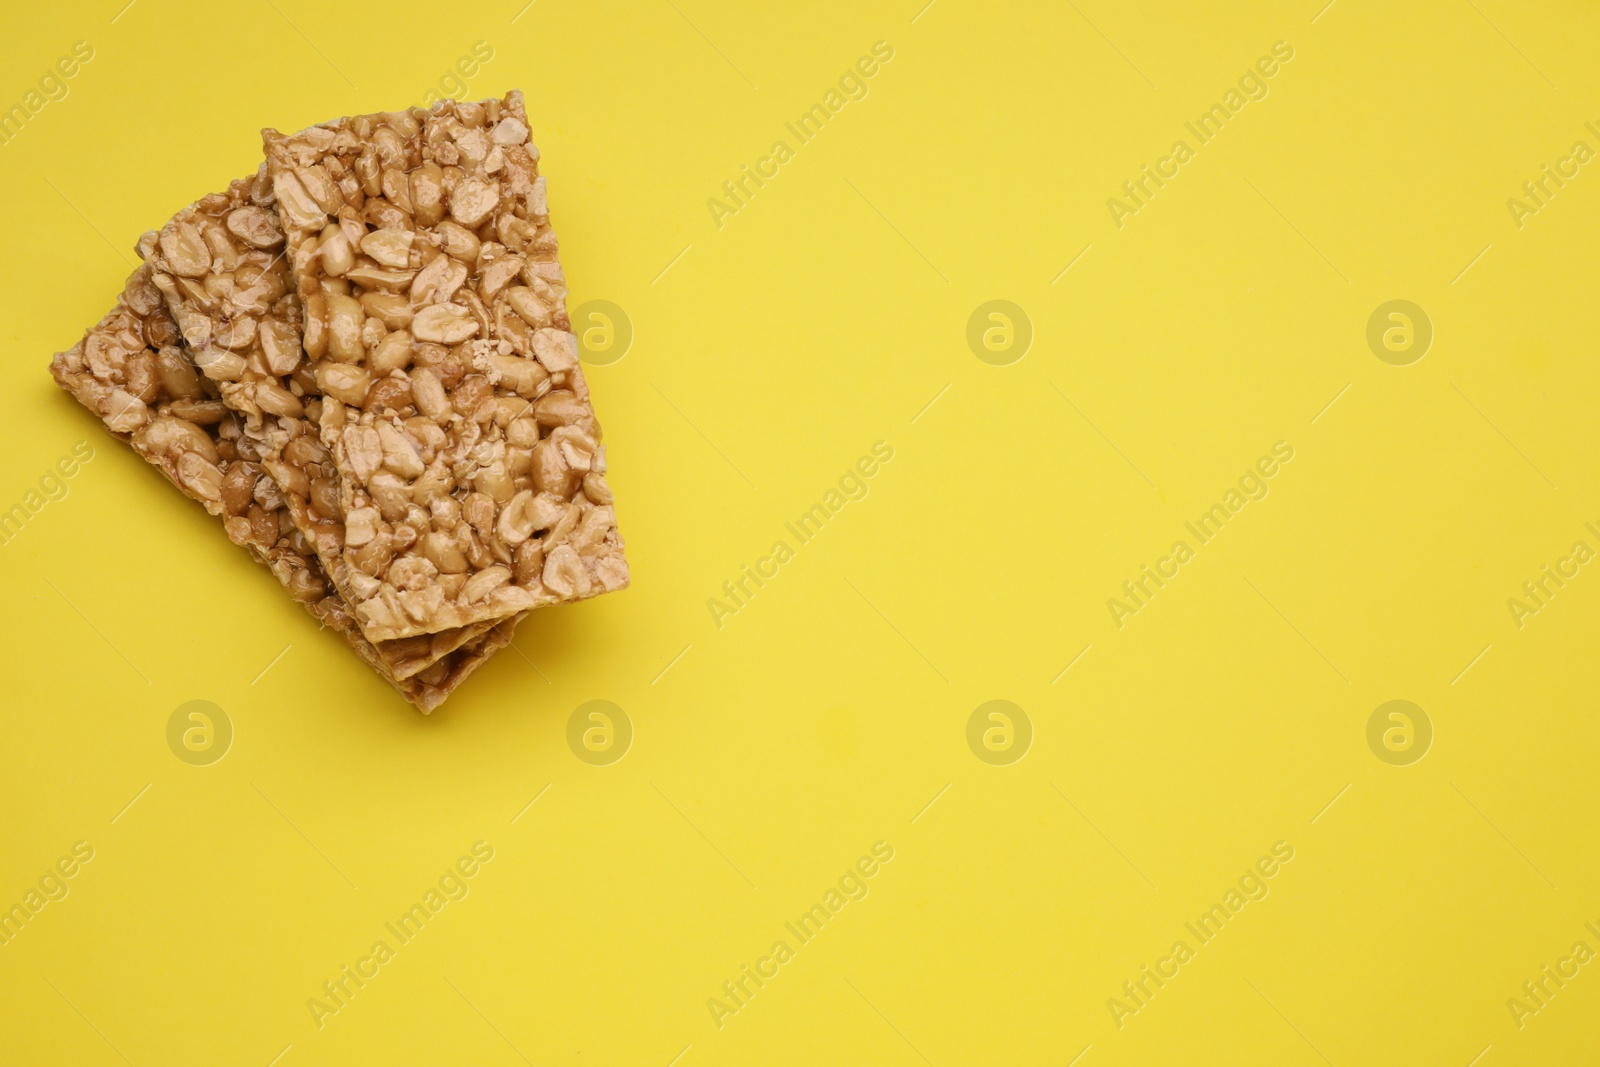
x=832, y=709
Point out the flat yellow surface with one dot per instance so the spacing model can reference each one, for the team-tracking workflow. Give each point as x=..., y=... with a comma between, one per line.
x=1203, y=794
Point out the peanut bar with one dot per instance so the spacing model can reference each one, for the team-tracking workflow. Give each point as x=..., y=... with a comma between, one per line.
x=130, y=371
x=471, y=477
x=219, y=265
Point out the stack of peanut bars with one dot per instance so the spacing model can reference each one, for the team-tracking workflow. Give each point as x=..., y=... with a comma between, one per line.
x=359, y=360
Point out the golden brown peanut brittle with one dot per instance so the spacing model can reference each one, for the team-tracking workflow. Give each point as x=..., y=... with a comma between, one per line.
x=219, y=265
x=131, y=371
x=470, y=473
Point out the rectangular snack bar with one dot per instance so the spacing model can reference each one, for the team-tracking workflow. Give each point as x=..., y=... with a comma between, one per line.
x=219, y=265
x=471, y=478
x=130, y=372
